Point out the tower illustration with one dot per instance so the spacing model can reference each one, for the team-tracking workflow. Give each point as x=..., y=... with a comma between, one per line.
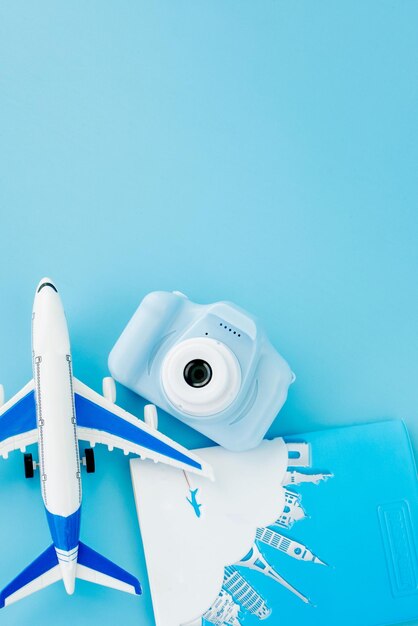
x=255, y=560
x=288, y=546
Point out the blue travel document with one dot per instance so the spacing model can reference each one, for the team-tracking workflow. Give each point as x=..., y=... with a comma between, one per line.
x=363, y=523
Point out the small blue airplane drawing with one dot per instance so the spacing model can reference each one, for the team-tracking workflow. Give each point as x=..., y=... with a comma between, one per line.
x=193, y=501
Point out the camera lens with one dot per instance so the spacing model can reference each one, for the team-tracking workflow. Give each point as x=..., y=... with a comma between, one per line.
x=200, y=377
x=197, y=373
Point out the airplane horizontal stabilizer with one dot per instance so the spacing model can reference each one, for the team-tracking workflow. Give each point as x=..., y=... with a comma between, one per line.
x=42, y=572
x=95, y=568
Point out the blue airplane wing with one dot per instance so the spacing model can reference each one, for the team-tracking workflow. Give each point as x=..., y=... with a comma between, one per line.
x=18, y=421
x=42, y=572
x=45, y=571
x=95, y=568
x=102, y=421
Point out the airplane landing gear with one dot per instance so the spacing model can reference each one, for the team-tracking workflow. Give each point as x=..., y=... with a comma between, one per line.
x=89, y=461
x=29, y=465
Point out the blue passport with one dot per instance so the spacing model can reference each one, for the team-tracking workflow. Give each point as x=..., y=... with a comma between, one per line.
x=362, y=522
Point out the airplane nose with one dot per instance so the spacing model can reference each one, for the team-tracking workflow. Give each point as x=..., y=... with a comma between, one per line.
x=46, y=282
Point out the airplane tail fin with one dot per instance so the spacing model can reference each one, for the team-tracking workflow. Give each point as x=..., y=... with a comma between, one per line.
x=95, y=568
x=42, y=572
x=45, y=571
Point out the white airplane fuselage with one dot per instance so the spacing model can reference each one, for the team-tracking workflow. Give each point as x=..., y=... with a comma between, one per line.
x=56, y=411
x=59, y=458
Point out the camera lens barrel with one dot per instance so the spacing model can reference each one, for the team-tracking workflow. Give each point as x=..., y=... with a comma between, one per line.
x=200, y=377
x=197, y=373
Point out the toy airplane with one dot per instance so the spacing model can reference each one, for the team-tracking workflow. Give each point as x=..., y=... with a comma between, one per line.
x=56, y=410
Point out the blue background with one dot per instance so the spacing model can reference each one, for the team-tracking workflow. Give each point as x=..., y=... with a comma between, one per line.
x=261, y=152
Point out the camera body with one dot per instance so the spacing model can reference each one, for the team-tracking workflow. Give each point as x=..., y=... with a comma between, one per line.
x=210, y=366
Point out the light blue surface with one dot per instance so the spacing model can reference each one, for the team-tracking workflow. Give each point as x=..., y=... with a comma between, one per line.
x=264, y=153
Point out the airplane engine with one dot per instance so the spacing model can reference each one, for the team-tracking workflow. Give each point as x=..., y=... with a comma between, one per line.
x=109, y=389
x=151, y=415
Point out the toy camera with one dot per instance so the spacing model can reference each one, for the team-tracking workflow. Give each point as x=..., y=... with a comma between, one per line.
x=211, y=366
